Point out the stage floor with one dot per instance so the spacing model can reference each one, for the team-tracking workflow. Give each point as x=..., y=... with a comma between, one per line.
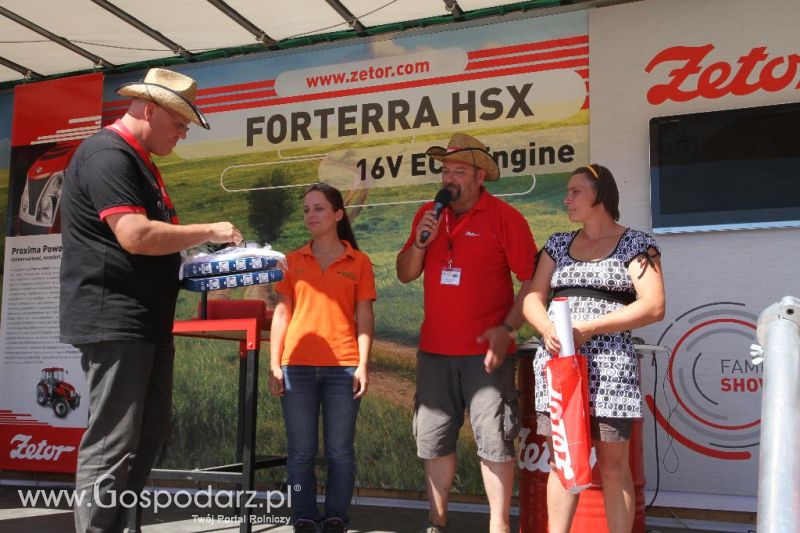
x=366, y=517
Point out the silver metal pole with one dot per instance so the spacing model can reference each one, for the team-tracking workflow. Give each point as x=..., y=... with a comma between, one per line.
x=779, y=461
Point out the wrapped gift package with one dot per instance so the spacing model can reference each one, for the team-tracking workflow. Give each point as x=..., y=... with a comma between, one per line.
x=211, y=268
x=232, y=267
x=232, y=281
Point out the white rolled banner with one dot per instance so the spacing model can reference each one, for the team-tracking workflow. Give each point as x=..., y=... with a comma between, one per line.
x=563, y=324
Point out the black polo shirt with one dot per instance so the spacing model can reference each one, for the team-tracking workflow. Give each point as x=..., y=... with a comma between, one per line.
x=107, y=293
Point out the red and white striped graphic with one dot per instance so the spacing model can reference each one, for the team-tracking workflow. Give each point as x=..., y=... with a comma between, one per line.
x=84, y=127
x=57, y=110
x=28, y=444
x=19, y=419
x=568, y=53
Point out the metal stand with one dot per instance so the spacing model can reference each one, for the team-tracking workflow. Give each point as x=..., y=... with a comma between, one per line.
x=246, y=331
x=779, y=459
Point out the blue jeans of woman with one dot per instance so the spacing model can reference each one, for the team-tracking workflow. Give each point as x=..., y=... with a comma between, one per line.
x=307, y=388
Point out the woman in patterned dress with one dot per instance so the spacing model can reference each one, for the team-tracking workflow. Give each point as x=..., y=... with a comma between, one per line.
x=612, y=276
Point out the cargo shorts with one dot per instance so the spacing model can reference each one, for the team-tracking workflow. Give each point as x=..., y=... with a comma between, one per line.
x=449, y=385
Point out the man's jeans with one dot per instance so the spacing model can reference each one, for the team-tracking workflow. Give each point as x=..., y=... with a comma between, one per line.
x=306, y=389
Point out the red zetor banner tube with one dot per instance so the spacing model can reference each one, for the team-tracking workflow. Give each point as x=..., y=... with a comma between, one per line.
x=567, y=383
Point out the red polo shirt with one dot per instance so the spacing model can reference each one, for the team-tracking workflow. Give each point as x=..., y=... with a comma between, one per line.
x=487, y=243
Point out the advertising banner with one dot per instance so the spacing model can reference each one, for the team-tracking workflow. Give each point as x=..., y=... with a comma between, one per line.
x=42, y=415
x=358, y=115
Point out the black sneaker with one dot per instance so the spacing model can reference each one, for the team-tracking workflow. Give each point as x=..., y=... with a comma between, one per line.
x=303, y=525
x=334, y=525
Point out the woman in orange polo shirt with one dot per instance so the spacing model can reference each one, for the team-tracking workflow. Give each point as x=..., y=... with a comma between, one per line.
x=321, y=337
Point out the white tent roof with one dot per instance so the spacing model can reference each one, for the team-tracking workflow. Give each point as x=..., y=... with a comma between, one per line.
x=43, y=38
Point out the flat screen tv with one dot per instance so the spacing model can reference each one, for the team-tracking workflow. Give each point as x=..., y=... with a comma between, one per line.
x=724, y=170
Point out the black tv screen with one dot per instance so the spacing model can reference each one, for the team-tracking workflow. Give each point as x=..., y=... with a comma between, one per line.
x=721, y=170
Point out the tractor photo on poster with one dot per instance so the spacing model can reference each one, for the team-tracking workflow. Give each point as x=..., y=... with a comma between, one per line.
x=54, y=391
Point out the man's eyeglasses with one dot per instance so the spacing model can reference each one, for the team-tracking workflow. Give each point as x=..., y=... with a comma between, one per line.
x=178, y=121
x=457, y=172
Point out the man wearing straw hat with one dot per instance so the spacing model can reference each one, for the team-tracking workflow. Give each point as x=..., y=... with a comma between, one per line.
x=466, y=358
x=119, y=286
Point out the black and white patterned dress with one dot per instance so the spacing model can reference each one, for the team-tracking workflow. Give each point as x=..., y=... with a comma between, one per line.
x=613, y=365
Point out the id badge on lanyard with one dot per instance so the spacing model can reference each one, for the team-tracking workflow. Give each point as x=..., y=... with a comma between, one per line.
x=450, y=275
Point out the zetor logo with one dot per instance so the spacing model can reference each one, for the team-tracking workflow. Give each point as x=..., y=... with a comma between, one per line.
x=691, y=78
x=36, y=451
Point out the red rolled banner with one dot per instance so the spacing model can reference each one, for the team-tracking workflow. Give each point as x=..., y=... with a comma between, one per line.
x=568, y=388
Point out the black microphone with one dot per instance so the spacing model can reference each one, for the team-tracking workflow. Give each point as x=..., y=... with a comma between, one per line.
x=440, y=201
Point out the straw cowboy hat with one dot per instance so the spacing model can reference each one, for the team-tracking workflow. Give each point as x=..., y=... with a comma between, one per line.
x=467, y=149
x=168, y=89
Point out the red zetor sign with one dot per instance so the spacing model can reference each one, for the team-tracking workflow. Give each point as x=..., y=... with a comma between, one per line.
x=39, y=448
x=691, y=78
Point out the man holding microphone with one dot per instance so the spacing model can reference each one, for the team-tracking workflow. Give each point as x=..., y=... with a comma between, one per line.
x=467, y=252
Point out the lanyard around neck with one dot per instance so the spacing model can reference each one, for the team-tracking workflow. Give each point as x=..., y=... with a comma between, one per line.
x=459, y=225
x=119, y=128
